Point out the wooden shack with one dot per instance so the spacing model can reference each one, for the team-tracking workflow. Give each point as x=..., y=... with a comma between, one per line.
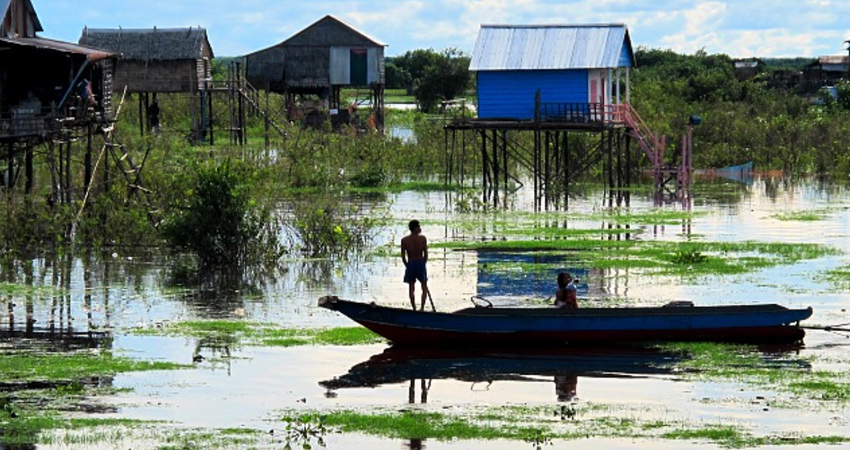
x=157, y=59
x=748, y=68
x=321, y=60
x=40, y=78
x=826, y=71
x=519, y=66
x=49, y=90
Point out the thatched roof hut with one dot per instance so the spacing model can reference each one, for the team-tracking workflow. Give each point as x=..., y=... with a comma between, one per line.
x=157, y=59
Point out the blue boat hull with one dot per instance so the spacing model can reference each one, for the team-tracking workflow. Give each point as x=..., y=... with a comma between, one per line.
x=555, y=326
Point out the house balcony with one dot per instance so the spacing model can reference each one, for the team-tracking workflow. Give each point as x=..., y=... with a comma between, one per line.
x=592, y=114
x=20, y=123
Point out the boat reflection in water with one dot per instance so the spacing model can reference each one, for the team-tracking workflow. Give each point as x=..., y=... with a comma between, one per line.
x=563, y=366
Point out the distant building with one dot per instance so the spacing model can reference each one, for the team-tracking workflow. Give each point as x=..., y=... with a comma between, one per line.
x=826, y=71
x=157, y=59
x=40, y=78
x=748, y=68
x=580, y=67
x=321, y=60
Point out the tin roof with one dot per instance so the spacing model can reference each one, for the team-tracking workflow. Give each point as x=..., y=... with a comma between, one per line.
x=92, y=54
x=547, y=47
x=833, y=59
x=831, y=63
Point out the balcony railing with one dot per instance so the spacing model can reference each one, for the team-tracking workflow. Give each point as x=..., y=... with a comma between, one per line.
x=25, y=126
x=581, y=113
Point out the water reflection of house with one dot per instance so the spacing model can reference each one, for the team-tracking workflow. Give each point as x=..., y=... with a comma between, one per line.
x=313, y=66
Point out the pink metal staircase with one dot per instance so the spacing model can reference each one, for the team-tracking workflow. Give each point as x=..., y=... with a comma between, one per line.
x=655, y=146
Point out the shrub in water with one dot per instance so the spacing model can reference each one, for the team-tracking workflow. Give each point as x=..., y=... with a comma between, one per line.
x=219, y=221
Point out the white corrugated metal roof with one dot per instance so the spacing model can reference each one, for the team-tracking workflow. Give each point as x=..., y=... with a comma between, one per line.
x=547, y=47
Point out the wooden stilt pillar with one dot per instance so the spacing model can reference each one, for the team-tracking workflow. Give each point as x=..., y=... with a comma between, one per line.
x=211, y=117
x=142, y=112
x=462, y=157
x=495, y=168
x=451, y=175
x=266, y=121
x=535, y=169
x=51, y=162
x=485, y=171
x=567, y=161
x=629, y=168
x=10, y=165
x=609, y=161
x=243, y=132
x=505, y=165
x=558, y=163
x=28, y=169
x=88, y=162
x=60, y=173
x=448, y=157
x=544, y=168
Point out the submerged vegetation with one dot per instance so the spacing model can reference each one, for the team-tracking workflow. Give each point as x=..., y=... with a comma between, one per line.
x=245, y=333
x=540, y=425
x=838, y=277
x=746, y=364
x=40, y=387
x=812, y=215
x=27, y=367
x=660, y=258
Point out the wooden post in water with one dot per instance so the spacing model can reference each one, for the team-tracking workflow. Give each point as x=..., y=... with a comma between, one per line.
x=505, y=165
x=88, y=164
x=495, y=168
x=28, y=168
x=484, y=171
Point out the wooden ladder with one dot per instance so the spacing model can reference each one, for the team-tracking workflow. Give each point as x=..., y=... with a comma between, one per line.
x=249, y=92
x=125, y=164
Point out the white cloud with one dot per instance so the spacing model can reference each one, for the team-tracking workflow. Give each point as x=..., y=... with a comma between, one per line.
x=704, y=18
x=736, y=27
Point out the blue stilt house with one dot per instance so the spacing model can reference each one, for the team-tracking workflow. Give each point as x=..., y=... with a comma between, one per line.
x=572, y=73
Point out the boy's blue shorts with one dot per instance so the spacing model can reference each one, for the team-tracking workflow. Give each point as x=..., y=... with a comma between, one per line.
x=416, y=271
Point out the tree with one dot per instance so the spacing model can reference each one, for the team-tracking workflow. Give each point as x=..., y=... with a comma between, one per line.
x=447, y=77
x=397, y=77
x=415, y=62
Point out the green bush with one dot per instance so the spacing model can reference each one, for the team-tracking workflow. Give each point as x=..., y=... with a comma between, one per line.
x=219, y=221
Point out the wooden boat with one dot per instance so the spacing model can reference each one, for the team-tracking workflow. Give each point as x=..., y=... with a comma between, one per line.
x=488, y=326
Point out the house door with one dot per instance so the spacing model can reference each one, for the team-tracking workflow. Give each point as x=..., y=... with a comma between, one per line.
x=359, y=68
x=597, y=94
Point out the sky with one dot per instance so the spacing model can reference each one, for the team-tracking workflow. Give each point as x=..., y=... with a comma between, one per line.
x=740, y=29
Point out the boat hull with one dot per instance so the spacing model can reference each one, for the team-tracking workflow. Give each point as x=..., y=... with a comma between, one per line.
x=557, y=327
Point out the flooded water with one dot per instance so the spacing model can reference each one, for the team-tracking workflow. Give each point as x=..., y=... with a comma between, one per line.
x=75, y=299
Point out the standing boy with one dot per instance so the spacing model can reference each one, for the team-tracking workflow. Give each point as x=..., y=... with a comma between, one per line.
x=414, y=255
